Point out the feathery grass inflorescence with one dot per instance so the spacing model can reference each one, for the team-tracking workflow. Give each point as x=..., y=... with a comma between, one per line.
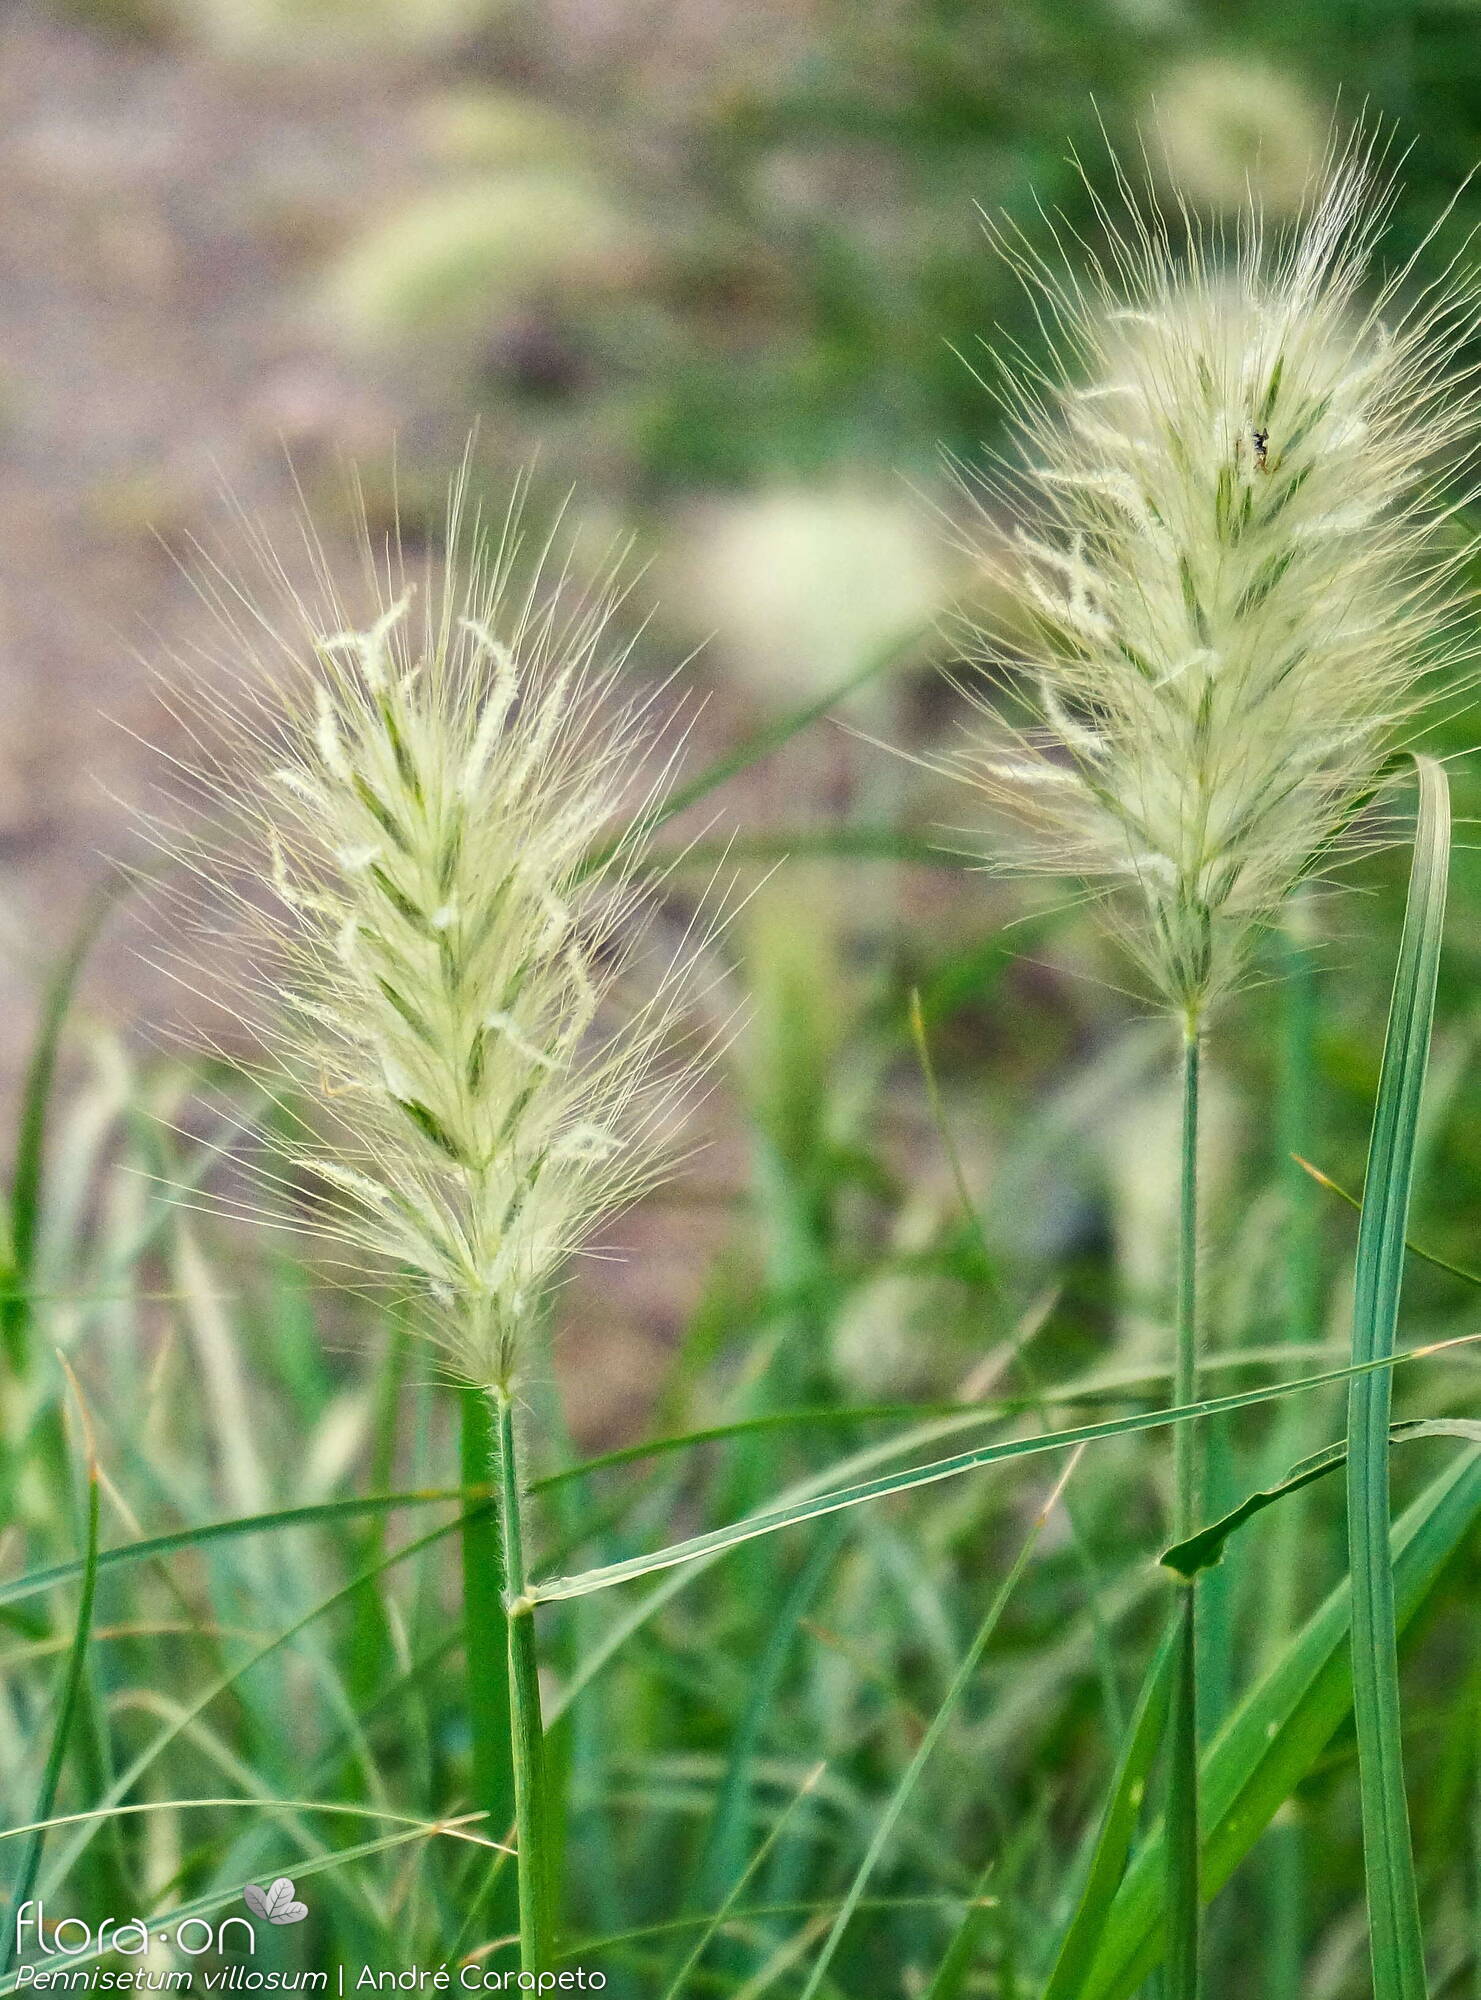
x=1228, y=584
x=440, y=917
x=1223, y=559
x=437, y=934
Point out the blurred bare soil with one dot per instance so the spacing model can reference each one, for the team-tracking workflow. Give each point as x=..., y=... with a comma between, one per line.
x=156, y=211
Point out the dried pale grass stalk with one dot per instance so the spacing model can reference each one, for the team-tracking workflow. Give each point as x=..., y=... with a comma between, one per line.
x=1224, y=561
x=406, y=813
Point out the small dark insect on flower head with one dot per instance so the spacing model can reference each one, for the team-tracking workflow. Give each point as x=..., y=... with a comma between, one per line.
x=1222, y=539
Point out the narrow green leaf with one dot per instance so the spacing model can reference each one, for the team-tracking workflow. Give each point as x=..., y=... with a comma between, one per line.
x=1414, y=1249
x=816, y=1504
x=1206, y=1548
x=620, y=1629
x=1087, y=1392
x=62, y=1727
x=962, y=1953
x=30, y=1152
x=679, y=1985
x=961, y=1680
x=1276, y=1734
x=1395, y=1940
x=36, y=1580
x=1117, y=1829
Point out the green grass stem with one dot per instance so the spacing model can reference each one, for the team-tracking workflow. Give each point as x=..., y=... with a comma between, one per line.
x=537, y=1934
x=1184, y=1898
x=486, y=1641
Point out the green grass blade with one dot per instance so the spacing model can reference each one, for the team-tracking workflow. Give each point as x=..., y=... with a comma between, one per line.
x=1117, y=1829
x=960, y=1682
x=622, y=1628
x=182, y=1718
x=755, y=747
x=1277, y=1733
x=56, y=1574
x=66, y=1715
x=817, y=1504
x=962, y=1953
x=1415, y=1249
x=1206, y=1548
x=719, y=1863
x=679, y=1985
x=30, y=1152
x=1094, y=1390
x=1086, y=1391
x=1395, y=1939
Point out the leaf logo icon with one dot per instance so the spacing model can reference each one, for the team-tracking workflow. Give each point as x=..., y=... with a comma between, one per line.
x=275, y=1903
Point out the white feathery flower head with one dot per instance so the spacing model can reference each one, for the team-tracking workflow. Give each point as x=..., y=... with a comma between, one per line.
x=427, y=797
x=1227, y=559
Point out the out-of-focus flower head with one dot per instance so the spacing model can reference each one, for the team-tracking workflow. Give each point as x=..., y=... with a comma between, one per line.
x=1228, y=127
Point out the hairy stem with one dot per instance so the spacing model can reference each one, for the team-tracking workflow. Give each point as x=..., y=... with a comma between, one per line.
x=1184, y=1897
x=526, y=1729
x=1185, y=1363
x=487, y=1646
